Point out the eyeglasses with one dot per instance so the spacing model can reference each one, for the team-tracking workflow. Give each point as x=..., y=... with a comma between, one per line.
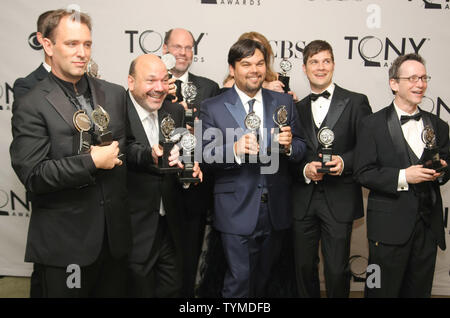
x=415, y=78
x=179, y=48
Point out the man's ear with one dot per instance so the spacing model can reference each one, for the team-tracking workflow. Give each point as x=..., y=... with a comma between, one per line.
x=47, y=44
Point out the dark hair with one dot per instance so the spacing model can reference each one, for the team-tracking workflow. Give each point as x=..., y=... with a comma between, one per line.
x=169, y=33
x=54, y=18
x=315, y=47
x=41, y=20
x=245, y=48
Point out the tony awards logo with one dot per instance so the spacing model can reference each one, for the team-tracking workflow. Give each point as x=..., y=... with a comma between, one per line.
x=283, y=77
x=280, y=118
x=431, y=158
x=325, y=136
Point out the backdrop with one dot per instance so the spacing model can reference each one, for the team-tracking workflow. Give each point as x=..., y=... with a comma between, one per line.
x=367, y=35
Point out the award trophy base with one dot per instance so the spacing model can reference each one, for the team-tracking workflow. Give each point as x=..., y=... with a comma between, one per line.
x=105, y=139
x=163, y=162
x=431, y=159
x=82, y=143
x=326, y=157
x=285, y=80
x=186, y=174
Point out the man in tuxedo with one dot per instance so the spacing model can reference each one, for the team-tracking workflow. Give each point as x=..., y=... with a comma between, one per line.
x=251, y=206
x=404, y=208
x=24, y=84
x=196, y=200
x=79, y=233
x=326, y=203
x=156, y=210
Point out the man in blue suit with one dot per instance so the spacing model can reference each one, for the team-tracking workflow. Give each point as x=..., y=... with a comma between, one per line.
x=251, y=204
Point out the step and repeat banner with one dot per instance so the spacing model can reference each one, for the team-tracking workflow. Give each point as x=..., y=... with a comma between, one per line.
x=367, y=35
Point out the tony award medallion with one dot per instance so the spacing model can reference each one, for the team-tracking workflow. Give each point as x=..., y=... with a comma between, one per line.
x=169, y=61
x=101, y=121
x=83, y=124
x=285, y=66
x=430, y=157
x=280, y=118
x=167, y=128
x=92, y=69
x=188, y=143
x=252, y=122
x=189, y=93
x=325, y=136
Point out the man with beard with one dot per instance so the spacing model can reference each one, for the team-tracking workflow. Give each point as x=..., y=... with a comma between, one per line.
x=251, y=209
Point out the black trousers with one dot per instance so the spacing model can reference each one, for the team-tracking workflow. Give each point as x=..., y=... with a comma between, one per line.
x=405, y=270
x=320, y=225
x=159, y=276
x=106, y=277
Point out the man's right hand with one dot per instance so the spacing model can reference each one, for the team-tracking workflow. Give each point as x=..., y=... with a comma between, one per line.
x=105, y=157
x=247, y=144
x=311, y=171
x=417, y=173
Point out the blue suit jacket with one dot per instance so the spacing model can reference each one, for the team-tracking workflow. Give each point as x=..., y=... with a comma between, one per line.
x=238, y=187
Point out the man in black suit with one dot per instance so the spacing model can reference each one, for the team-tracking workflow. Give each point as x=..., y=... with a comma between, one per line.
x=80, y=221
x=325, y=204
x=404, y=209
x=23, y=84
x=155, y=205
x=196, y=200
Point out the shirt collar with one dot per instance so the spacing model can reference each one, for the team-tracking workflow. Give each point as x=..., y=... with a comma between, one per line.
x=47, y=67
x=401, y=112
x=330, y=90
x=184, y=78
x=142, y=112
x=245, y=98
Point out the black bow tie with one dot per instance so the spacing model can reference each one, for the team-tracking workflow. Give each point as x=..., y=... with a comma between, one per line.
x=324, y=94
x=404, y=119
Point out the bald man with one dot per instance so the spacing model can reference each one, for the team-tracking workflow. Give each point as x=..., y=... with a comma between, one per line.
x=155, y=205
x=197, y=200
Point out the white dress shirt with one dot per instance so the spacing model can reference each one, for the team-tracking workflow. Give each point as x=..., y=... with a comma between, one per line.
x=412, y=131
x=150, y=123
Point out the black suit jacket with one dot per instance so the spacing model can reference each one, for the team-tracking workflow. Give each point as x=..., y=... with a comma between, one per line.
x=23, y=85
x=380, y=154
x=206, y=88
x=147, y=189
x=343, y=194
x=73, y=202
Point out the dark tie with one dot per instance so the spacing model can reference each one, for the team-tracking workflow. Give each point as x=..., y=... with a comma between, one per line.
x=179, y=94
x=404, y=119
x=251, y=102
x=324, y=94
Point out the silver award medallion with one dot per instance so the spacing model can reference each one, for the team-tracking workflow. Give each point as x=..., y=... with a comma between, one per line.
x=189, y=92
x=188, y=142
x=167, y=127
x=285, y=66
x=325, y=137
x=280, y=116
x=82, y=121
x=252, y=122
x=100, y=118
x=429, y=137
x=92, y=69
x=169, y=61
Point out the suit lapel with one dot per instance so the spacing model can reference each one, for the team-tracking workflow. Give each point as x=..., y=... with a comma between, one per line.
x=236, y=108
x=60, y=102
x=270, y=105
x=98, y=95
x=138, y=128
x=337, y=106
x=395, y=130
x=309, y=123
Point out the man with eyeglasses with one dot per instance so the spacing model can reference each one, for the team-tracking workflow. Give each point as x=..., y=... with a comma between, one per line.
x=404, y=212
x=196, y=200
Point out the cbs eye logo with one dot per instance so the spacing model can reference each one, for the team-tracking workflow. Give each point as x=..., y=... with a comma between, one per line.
x=33, y=42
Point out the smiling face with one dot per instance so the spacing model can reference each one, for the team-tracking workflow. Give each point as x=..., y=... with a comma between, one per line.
x=180, y=45
x=71, y=49
x=249, y=73
x=409, y=95
x=149, y=83
x=319, y=69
